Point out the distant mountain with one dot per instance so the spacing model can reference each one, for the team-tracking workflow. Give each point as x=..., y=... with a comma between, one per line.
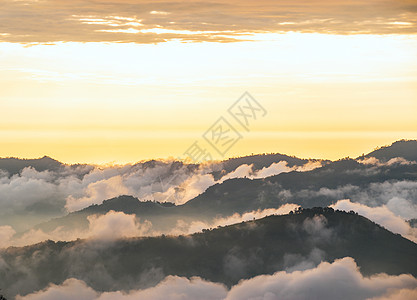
x=319, y=187
x=406, y=149
x=164, y=215
x=307, y=189
x=260, y=161
x=15, y=165
x=226, y=254
x=241, y=195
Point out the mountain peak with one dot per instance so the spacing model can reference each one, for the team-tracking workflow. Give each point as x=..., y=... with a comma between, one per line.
x=406, y=149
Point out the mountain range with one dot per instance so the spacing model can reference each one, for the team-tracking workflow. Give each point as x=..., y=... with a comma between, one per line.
x=296, y=241
x=238, y=227
x=319, y=187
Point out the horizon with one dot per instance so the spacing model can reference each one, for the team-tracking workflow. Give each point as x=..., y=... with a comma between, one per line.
x=187, y=160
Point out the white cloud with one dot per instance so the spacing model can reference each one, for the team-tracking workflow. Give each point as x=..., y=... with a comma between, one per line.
x=273, y=169
x=96, y=192
x=22, y=191
x=197, y=226
x=338, y=280
x=6, y=233
x=381, y=215
x=51, y=193
x=402, y=294
x=184, y=188
x=402, y=207
x=316, y=227
x=114, y=225
x=156, y=12
x=376, y=162
x=111, y=226
x=398, y=196
x=282, y=167
x=69, y=290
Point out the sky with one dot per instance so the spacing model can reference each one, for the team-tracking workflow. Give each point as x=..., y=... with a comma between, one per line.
x=122, y=81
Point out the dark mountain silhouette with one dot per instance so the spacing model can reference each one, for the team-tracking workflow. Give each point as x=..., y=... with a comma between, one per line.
x=226, y=254
x=163, y=214
x=260, y=161
x=16, y=165
x=405, y=148
x=242, y=195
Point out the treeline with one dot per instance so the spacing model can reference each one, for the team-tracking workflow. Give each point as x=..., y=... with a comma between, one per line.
x=317, y=210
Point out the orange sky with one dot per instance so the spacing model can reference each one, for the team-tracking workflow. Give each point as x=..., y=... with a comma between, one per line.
x=148, y=82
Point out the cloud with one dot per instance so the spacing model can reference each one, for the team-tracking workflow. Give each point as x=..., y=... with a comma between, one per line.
x=67, y=291
x=173, y=287
x=198, y=183
x=297, y=262
x=310, y=165
x=187, y=190
x=402, y=294
x=30, y=197
x=338, y=280
x=393, y=161
x=52, y=193
x=398, y=196
x=381, y=215
x=402, y=207
x=183, y=227
x=117, y=225
x=220, y=21
x=25, y=190
x=108, y=227
x=316, y=227
x=272, y=170
x=6, y=233
x=114, y=225
x=97, y=192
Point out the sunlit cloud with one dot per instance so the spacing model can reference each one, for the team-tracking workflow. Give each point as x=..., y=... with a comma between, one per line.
x=338, y=280
x=155, y=12
x=88, y=21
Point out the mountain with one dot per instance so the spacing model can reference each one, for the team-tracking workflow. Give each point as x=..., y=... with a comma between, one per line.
x=346, y=178
x=320, y=187
x=405, y=148
x=163, y=214
x=225, y=254
x=260, y=161
x=16, y=165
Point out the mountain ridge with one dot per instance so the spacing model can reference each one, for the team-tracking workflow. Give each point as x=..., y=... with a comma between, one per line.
x=257, y=247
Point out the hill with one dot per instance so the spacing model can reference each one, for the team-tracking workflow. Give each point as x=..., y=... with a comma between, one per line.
x=226, y=254
x=15, y=165
x=319, y=187
x=405, y=148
